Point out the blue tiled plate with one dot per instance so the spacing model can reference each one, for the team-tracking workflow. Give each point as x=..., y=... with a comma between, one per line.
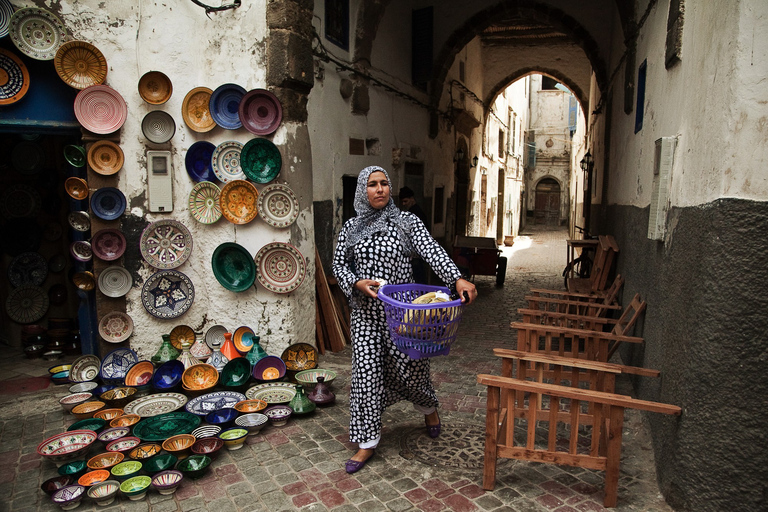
x=224, y=106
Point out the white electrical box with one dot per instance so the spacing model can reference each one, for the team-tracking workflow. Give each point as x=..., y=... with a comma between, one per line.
x=662, y=177
x=160, y=181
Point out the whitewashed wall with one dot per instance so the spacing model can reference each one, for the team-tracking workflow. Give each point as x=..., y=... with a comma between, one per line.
x=192, y=50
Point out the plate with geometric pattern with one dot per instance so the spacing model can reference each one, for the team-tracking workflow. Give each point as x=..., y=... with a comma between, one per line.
x=166, y=244
x=26, y=304
x=37, y=33
x=115, y=327
x=280, y=267
x=278, y=205
x=167, y=294
x=204, y=202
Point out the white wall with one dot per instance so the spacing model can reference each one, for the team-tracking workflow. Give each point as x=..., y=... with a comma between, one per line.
x=193, y=50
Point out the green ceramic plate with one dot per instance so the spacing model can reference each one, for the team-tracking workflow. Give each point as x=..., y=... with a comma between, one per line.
x=163, y=426
x=233, y=267
x=260, y=160
x=75, y=155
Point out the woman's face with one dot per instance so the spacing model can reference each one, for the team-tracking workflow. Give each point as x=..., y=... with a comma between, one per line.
x=378, y=190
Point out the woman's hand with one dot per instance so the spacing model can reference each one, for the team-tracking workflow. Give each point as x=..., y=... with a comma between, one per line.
x=462, y=285
x=368, y=287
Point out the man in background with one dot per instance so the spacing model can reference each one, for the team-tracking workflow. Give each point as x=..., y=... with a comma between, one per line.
x=408, y=203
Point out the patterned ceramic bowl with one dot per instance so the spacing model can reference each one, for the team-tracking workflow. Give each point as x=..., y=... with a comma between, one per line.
x=308, y=378
x=249, y=406
x=252, y=422
x=68, y=497
x=140, y=374
x=108, y=414
x=179, y=445
x=93, y=477
x=210, y=446
x=113, y=434
x=66, y=446
x=195, y=466
x=126, y=420
x=126, y=470
x=87, y=409
x=105, y=460
x=206, y=431
x=166, y=482
x=118, y=397
x=145, y=451
x=278, y=414
x=104, y=493
x=234, y=438
x=83, y=387
x=52, y=485
x=70, y=401
x=136, y=488
x=200, y=376
x=124, y=445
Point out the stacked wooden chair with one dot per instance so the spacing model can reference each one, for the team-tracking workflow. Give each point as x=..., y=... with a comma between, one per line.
x=555, y=399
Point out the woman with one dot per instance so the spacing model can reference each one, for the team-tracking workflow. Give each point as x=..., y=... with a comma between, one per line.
x=378, y=244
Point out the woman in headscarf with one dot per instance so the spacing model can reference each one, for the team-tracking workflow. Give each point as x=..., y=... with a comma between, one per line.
x=378, y=244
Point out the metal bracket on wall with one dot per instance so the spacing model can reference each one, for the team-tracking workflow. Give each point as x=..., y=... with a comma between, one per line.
x=209, y=9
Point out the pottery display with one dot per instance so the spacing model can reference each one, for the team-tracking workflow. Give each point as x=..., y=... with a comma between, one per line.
x=300, y=403
x=166, y=352
x=321, y=394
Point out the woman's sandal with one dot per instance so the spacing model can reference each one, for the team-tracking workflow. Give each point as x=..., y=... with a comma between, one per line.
x=353, y=466
x=433, y=430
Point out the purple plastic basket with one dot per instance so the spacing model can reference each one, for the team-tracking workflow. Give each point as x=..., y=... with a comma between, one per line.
x=420, y=330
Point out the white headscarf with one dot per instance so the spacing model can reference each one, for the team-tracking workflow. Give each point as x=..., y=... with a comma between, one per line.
x=369, y=220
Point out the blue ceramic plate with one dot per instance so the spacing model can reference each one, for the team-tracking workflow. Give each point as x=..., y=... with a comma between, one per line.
x=198, y=161
x=233, y=267
x=108, y=203
x=163, y=426
x=260, y=160
x=224, y=105
x=167, y=294
x=210, y=402
x=168, y=375
x=117, y=363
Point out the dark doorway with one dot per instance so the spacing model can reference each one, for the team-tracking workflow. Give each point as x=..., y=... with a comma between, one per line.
x=547, y=208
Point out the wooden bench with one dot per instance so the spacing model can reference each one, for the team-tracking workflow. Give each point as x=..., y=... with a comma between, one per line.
x=584, y=426
x=591, y=304
x=605, y=255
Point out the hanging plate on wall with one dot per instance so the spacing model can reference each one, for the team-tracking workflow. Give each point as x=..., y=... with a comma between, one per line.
x=108, y=244
x=225, y=161
x=26, y=304
x=204, y=202
x=239, y=201
x=105, y=157
x=100, y=109
x=224, y=105
x=108, y=203
x=198, y=161
x=155, y=87
x=80, y=64
x=278, y=205
x=6, y=11
x=115, y=281
x=158, y=126
x=195, y=110
x=280, y=267
x=37, y=33
x=260, y=160
x=16, y=80
x=166, y=244
x=260, y=112
x=167, y=294
x=233, y=267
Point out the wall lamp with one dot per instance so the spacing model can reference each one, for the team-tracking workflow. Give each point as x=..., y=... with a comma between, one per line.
x=459, y=155
x=474, y=162
x=587, y=162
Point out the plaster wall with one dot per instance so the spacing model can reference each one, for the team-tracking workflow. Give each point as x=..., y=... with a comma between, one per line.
x=193, y=50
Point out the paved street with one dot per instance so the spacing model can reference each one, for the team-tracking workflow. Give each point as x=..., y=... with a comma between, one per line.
x=300, y=466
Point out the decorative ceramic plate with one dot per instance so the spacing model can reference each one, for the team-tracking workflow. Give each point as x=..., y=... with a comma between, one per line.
x=100, y=109
x=155, y=87
x=37, y=33
x=233, y=267
x=198, y=161
x=300, y=356
x=204, y=202
x=166, y=244
x=27, y=268
x=272, y=392
x=260, y=160
x=278, y=205
x=225, y=161
x=77, y=188
x=116, y=364
x=280, y=267
x=6, y=11
x=206, y=431
x=115, y=327
x=154, y=404
x=182, y=334
x=204, y=404
x=85, y=368
x=20, y=201
x=81, y=250
x=75, y=155
x=26, y=304
x=108, y=203
x=167, y=294
x=105, y=157
x=239, y=201
x=158, y=126
x=16, y=83
x=79, y=221
x=84, y=280
x=260, y=112
x=108, y=244
x=214, y=336
x=162, y=426
x=80, y=64
x=242, y=342
x=115, y=281
x=195, y=110
x=224, y=105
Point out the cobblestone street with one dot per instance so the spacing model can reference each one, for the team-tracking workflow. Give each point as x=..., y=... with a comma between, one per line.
x=301, y=466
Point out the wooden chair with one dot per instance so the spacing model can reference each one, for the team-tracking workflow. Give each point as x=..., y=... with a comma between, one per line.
x=590, y=304
x=583, y=426
x=605, y=255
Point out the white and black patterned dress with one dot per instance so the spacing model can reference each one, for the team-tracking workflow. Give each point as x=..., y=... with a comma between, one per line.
x=381, y=374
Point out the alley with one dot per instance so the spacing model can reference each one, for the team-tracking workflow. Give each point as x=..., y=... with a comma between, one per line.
x=300, y=466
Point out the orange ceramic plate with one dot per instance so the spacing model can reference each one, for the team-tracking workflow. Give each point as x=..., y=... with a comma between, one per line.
x=105, y=157
x=200, y=376
x=239, y=200
x=155, y=88
x=80, y=64
x=237, y=339
x=195, y=110
x=182, y=334
x=77, y=188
